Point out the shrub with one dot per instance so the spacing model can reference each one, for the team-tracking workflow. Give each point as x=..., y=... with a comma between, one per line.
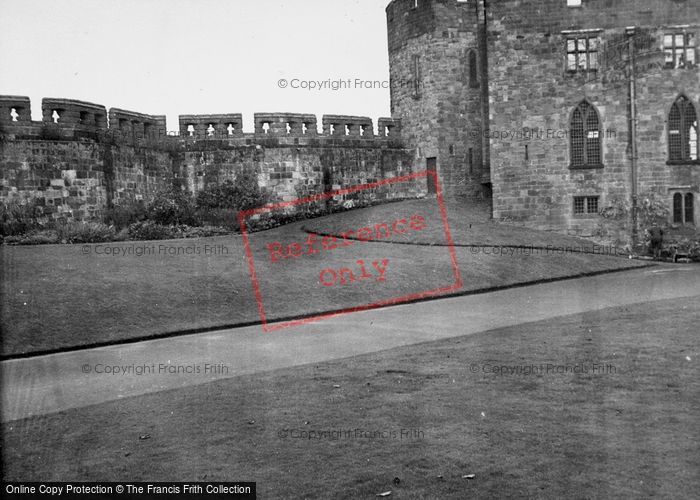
x=150, y=230
x=122, y=234
x=18, y=218
x=172, y=206
x=270, y=220
x=199, y=232
x=612, y=226
x=652, y=210
x=125, y=214
x=33, y=237
x=85, y=232
x=244, y=194
x=221, y=217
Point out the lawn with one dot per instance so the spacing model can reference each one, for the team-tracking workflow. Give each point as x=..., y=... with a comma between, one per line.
x=470, y=224
x=65, y=296
x=627, y=431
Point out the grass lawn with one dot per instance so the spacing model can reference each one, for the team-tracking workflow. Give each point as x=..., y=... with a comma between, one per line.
x=629, y=431
x=61, y=296
x=469, y=223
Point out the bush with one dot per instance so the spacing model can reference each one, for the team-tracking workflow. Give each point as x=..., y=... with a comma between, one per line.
x=199, y=232
x=220, y=217
x=125, y=214
x=652, y=210
x=18, y=218
x=241, y=195
x=150, y=230
x=85, y=232
x=172, y=206
x=270, y=220
x=33, y=237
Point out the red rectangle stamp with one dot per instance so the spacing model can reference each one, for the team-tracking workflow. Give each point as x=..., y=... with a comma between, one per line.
x=371, y=263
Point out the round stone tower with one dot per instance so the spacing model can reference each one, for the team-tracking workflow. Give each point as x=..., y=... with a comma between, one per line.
x=438, y=89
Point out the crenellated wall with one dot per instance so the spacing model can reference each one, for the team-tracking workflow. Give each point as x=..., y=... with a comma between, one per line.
x=81, y=159
x=15, y=108
x=202, y=126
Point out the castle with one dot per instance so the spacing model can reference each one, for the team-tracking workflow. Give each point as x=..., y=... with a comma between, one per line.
x=554, y=110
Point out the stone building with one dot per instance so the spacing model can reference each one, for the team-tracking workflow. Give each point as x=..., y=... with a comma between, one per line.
x=556, y=109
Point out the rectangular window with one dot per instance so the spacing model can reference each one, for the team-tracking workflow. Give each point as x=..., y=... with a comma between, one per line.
x=679, y=50
x=573, y=3
x=581, y=54
x=585, y=205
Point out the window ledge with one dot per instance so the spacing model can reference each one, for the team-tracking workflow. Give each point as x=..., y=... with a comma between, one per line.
x=586, y=167
x=683, y=162
x=585, y=216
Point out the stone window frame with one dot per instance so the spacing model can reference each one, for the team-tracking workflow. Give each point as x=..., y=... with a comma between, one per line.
x=684, y=156
x=588, y=49
x=687, y=46
x=680, y=206
x=589, y=203
x=416, y=75
x=586, y=139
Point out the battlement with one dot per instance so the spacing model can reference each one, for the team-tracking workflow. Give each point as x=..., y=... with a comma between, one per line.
x=389, y=127
x=15, y=110
x=69, y=112
x=130, y=123
x=70, y=119
x=285, y=124
x=348, y=126
x=203, y=126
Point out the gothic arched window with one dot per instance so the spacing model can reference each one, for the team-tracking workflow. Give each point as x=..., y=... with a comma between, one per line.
x=683, y=208
x=585, y=137
x=682, y=131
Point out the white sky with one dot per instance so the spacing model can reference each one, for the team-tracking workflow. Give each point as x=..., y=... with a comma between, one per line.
x=195, y=57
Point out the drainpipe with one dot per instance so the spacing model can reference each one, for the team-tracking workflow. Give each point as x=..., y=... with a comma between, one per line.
x=633, y=130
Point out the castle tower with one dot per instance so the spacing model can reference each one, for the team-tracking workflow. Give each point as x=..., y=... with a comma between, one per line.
x=437, y=68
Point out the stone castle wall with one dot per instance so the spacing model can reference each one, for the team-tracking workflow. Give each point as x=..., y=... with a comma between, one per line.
x=531, y=90
x=433, y=49
x=514, y=121
x=76, y=164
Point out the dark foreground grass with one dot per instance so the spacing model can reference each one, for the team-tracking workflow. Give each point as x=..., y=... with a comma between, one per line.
x=62, y=296
x=628, y=431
